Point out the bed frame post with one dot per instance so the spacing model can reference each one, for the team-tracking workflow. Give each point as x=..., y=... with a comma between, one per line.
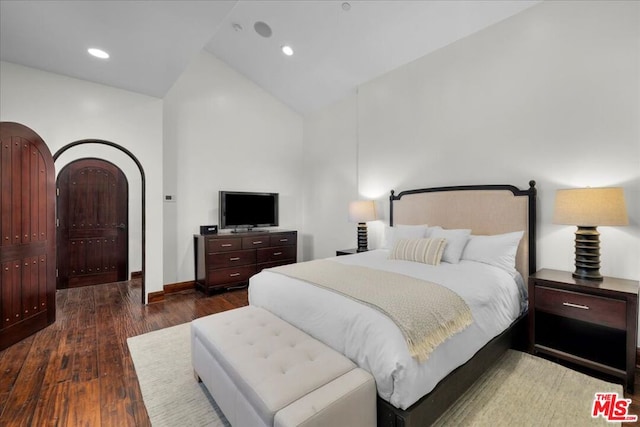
x=532, y=226
x=392, y=197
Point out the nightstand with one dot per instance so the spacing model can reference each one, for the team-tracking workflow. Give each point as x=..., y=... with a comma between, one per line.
x=347, y=252
x=589, y=323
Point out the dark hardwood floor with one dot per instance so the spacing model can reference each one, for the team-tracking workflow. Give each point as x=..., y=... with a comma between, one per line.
x=78, y=371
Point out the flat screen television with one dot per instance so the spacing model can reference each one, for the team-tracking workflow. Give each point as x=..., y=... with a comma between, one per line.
x=241, y=209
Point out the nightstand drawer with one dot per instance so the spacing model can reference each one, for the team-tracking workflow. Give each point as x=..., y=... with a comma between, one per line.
x=589, y=308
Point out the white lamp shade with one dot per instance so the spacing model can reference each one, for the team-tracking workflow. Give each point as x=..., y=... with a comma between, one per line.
x=362, y=211
x=590, y=207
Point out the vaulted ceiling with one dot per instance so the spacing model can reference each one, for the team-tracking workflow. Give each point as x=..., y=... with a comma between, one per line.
x=337, y=45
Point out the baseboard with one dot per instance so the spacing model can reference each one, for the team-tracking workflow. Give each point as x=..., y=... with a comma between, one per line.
x=155, y=297
x=136, y=275
x=179, y=287
x=171, y=288
x=638, y=357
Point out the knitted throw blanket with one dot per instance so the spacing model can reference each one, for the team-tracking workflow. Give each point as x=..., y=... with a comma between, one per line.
x=425, y=312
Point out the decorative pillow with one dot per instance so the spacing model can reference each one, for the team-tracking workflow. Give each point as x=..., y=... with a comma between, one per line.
x=456, y=241
x=427, y=251
x=498, y=250
x=392, y=234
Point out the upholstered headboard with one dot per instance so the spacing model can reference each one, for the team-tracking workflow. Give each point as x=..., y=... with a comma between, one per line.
x=485, y=209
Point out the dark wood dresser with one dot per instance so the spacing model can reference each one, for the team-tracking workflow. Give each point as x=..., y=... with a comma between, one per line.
x=590, y=323
x=230, y=259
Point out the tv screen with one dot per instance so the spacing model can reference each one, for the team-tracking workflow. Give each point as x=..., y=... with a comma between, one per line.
x=248, y=210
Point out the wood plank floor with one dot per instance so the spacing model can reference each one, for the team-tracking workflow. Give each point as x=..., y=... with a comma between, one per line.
x=78, y=371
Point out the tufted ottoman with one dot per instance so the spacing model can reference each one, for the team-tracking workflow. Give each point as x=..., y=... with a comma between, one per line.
x=262, y=371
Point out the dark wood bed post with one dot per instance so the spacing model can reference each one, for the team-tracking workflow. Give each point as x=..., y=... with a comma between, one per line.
x=429, y=408
x=532, y=226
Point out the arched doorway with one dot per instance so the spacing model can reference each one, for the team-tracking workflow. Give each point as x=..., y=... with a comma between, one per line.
x=93, y=231
x=142, y=193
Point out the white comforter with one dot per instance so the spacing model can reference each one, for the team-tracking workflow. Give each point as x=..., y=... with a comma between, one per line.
x=373, y=341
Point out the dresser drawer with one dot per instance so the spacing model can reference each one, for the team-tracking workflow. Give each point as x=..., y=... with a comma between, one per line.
x=223, y=245
x=225, y=276
x=230, y=259
x=283, y=239
x=274, y=264
x=255, y=242
x=589, y=308
x=276, y=254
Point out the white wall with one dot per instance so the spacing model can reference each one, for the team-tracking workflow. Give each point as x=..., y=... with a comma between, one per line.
x=63, y=110
x=330, y=179
x=551, y=94
x=222, y=132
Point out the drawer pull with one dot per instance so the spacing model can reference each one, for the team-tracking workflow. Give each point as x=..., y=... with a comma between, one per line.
x=277, y=253
x=225, y=245
x=234, y=274
x=569, y=304
x=284, y=240
x=235, y=258
x=257, y=242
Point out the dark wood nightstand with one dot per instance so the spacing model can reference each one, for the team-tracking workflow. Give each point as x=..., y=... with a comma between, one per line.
x=347, y=252
x=589, y=323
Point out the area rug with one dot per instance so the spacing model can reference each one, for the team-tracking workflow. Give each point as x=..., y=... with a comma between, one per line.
x=520, y=390
x=171, y=394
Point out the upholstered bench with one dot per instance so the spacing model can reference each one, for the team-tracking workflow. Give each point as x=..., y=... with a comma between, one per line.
x=262, y=371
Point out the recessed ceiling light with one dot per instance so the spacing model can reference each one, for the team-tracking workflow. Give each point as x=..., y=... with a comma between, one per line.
x=346, y=6
x=98, y=53
x=287, y=50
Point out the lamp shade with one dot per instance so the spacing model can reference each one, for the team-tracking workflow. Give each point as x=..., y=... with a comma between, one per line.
x=362, y=211
x=590, y=207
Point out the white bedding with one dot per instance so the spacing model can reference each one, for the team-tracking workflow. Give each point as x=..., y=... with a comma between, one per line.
x=373, y=341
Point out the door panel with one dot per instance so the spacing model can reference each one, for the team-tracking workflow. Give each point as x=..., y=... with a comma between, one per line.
x=27, y=240
x=93, y=215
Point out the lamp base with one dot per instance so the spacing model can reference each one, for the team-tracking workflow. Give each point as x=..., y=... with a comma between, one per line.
x=363, y=244
x=587, y=254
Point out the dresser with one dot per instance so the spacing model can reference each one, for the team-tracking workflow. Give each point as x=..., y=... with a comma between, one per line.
x=229, y=260
x=588, y=323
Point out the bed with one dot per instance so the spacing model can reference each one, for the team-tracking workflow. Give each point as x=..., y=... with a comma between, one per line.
x=412, y=393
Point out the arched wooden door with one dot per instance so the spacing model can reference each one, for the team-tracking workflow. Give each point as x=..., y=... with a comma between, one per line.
x=28, y=247
x=93, y=239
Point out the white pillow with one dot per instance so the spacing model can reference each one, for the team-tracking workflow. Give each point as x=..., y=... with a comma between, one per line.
x=431, y=229
x=456, y=241
x=427, y=251
x=498, y=250
x=392, y=234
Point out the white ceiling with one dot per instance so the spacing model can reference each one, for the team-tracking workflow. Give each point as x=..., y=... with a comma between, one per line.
x=152, y=42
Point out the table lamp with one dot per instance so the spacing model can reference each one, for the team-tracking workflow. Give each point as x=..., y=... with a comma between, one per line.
x=587, y=208
x=362, y=211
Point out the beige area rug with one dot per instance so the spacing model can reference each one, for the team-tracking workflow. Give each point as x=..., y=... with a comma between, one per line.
x=171, y=394
x=520, y=390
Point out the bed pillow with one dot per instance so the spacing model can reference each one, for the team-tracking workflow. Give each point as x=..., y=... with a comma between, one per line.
x=498, y=250
x=456, y=241
x=427, y=251
x=392, y=234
